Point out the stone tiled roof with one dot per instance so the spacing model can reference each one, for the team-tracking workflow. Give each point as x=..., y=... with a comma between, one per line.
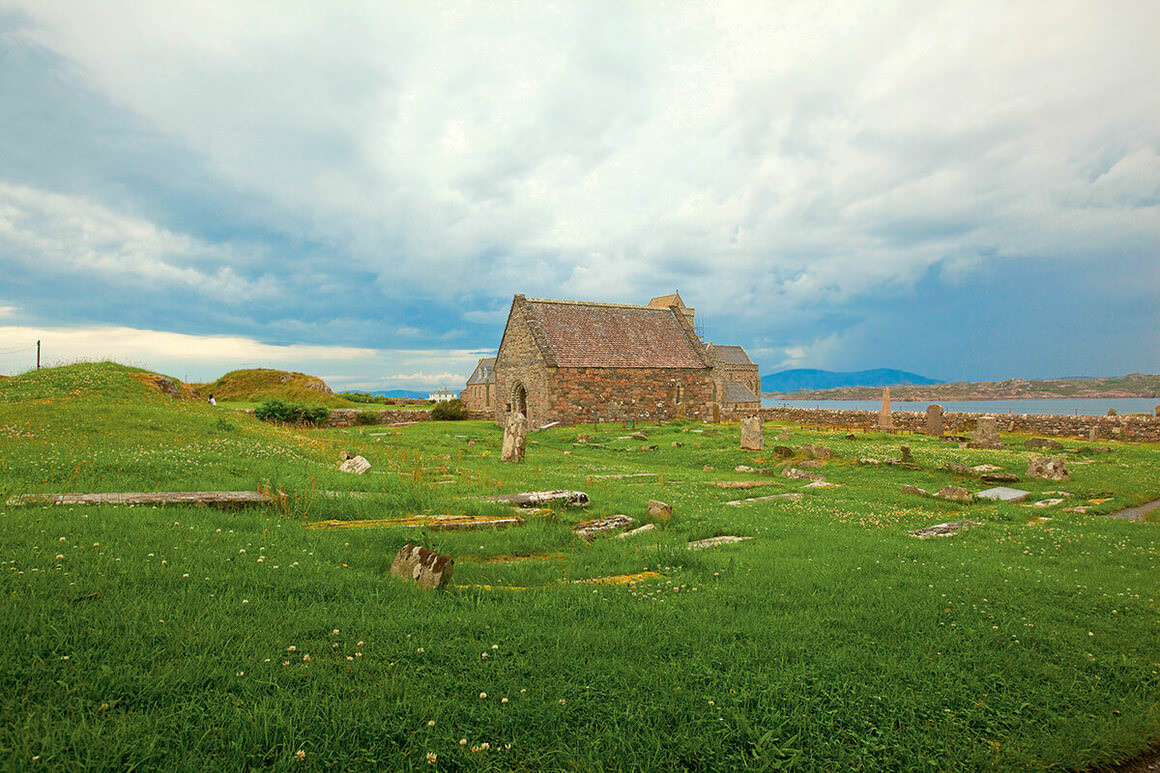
x=484, y=372
x=664, y=301
x=574, y=334
x=736, y=392
x=729, y=355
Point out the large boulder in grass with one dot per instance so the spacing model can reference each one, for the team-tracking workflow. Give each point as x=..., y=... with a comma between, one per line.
x=356, y=465
x=1047, y=468
x=425, y=568
x=659, y=511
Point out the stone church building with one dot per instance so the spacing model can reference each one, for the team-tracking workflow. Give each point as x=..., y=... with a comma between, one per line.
x=576, y=362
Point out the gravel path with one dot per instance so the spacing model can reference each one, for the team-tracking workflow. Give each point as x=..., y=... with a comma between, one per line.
x=1136, y=513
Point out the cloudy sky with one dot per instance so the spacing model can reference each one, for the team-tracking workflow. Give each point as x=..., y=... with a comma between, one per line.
x=967, y=190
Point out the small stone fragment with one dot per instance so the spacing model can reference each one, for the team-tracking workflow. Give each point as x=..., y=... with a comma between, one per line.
x=817, y=452
x=1047, y=468
x=948, y=529
x=908, y=489
x=784, y=452
x=742, y=468
x=955, y=494
x=790, y=496
x=1004, y=494
x=638, y=531
x=356, y=465
x=795, y=474
x=424, y=567
x=659, y=510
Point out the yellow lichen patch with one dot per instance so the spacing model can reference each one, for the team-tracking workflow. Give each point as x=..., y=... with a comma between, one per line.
x=490, y=587
x=621, y=579
x=426, y=521
x=1100, y=500
x=512, y=559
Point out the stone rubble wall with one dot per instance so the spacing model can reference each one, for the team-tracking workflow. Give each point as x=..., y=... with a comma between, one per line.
x=346, y=417
x=1131, y=428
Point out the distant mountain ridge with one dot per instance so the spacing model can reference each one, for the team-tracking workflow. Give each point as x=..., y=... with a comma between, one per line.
x=408, y=393
x=808, y=378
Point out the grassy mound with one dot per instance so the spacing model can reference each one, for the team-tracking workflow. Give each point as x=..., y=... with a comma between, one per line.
x=106, y=427
x=253, y=385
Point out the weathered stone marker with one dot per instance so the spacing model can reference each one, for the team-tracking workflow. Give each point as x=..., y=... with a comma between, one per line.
x=955, y=494
x=515, y=438
x=817, y=452
x=424, y=567
x=986, y=433
x=1047, y=469
x=795, y=474
x=885, y=416
x=934, y=420
x=356, y=464
x=660, y=511
x=752, y=434
x=589, y=530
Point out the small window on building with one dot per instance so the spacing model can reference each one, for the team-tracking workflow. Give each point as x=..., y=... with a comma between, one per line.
x=680, y=391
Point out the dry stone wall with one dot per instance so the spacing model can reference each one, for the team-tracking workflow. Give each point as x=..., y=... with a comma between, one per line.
x=1131, y=428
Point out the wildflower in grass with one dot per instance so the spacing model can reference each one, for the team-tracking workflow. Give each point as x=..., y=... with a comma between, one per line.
x=59, y=557
x=485, y=746
x=348, y=657
x=463, y=742
x=495, y=646
x=483, y=656
x=241, y=673
x=420, y=650
x=306, y=657
x=285, y=662
x=483, y=696
x=431, y=757
x=358, y=654
x=561, y=701
x=430, y=723
x=291, y=648
x=62, y=539
x=361, y=643
x=503, y=700
x=334, y=632
x=300, y=755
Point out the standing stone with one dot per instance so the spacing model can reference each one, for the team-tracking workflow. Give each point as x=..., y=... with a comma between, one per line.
x=1157, y=412
x=986, y=433
x=934, y=420
x=1094, y=433
x=752, y=434
x=885, y=417
x=424, y=567
x=515, y=438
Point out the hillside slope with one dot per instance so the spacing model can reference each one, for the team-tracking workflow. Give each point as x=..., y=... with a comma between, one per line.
x=808, y=378
x=92, y=426
x=258, y=384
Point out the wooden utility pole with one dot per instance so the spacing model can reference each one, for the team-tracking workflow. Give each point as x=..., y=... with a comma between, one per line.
x=38, y=355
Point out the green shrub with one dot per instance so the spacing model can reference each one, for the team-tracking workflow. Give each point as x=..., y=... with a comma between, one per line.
x=292, y=413
x=366, y=417
x=452, y=410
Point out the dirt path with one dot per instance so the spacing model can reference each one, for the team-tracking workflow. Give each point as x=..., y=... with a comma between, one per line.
x=1136, y=513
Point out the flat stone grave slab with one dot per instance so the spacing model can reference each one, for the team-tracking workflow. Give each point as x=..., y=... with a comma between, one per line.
x=791, y=495
x=1004, y=494
x=713, y=542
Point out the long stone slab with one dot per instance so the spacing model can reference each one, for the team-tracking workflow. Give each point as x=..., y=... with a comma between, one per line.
x=149, y=498
x=791, y=496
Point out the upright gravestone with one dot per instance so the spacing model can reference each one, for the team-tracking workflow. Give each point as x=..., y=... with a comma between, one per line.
x=752, y=434
x=986, y=433
x=515, y=437
x=885, y=416
x=934, y=420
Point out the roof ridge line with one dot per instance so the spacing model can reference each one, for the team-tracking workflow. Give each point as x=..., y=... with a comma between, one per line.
x=599, y=303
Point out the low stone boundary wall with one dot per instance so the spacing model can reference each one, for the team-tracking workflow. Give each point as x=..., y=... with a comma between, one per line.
x=347, y=417
x=1131, y=428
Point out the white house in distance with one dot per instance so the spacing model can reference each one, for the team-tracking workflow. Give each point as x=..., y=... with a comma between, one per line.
x=442, y=395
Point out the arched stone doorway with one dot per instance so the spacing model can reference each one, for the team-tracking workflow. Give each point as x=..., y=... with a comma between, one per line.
x=520, y=399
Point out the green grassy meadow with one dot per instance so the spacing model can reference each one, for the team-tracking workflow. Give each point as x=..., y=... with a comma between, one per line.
x=192, y=637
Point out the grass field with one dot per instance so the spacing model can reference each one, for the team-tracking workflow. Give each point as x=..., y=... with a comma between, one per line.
x=194, y=638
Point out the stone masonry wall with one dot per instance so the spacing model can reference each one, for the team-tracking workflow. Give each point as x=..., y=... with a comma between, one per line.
x=582, y=395
x=746, y=374
x=1131, y=428
x=519, y=362
x=478, y=397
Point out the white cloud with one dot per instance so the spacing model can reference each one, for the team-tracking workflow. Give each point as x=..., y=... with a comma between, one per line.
x=7, y=311
x=72, y=235
x=764, y=157
x=204, y=358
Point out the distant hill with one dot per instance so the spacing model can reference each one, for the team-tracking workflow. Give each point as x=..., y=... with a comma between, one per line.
x=805, y=378
x=1131, y=385
x=407, y=393
x=257, y=384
